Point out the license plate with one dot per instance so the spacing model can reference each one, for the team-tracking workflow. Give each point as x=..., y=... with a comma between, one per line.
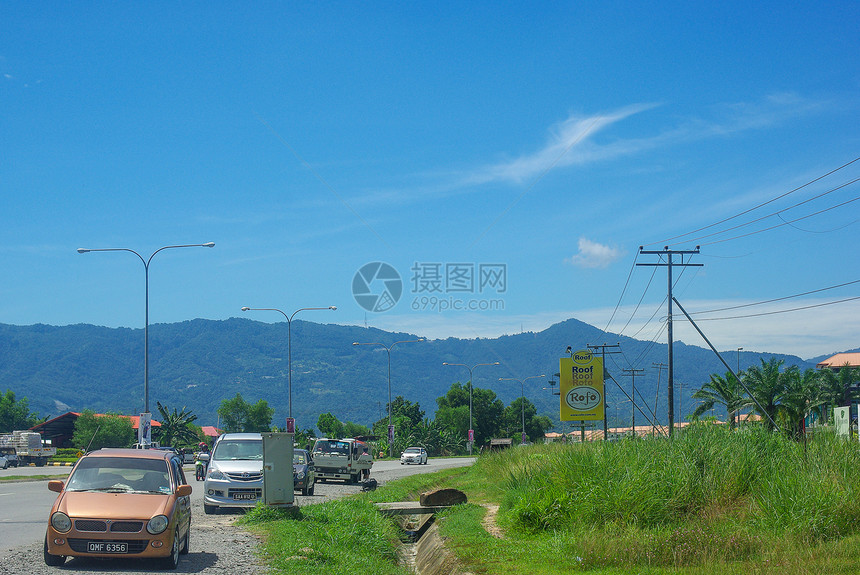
x=103, y=547
x=245, y=496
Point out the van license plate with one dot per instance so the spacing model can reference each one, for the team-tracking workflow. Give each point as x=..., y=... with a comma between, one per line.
x=245, y=496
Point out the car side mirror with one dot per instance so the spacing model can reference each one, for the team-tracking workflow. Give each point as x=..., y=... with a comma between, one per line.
x=55, y=485
x=183, y=491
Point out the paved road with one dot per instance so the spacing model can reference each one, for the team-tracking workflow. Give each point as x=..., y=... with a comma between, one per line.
x=24, y=506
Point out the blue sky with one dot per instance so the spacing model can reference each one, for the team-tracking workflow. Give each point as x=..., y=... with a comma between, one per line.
x=539, y=143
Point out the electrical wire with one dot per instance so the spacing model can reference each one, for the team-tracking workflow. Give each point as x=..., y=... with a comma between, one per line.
x=783, y=224
x=776, y=299
x=782, y=310
x=809, y=183
x=778, y=212
x=623, y=291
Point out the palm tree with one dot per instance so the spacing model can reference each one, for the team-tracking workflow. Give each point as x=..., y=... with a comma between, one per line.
x=766, y=385
x=720, y=390
x=838, y=388
x=176, y=427
x=800, y=396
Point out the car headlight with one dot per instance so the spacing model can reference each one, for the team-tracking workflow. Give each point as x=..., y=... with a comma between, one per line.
x=300, y=475
x=61, y=522
x=157, y=524
x=215, y=474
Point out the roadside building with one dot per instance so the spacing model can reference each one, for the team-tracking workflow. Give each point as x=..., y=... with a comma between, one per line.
x=59, y=430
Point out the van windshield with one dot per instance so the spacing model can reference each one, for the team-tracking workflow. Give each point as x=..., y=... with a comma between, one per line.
x=235, y=449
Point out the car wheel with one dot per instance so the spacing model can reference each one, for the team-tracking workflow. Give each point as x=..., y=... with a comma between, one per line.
x=52, y=560
x=305, y=490
x=186, y=543
x=172, y=561
x=311, y=489
x=209, y=509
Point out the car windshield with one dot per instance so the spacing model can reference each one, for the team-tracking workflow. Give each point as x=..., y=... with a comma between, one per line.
x=120, y=475
x=233, y=449
x=413, y=450
x=299, y=458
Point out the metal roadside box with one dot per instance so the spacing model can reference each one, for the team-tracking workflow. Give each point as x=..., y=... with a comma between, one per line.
x=278, y=469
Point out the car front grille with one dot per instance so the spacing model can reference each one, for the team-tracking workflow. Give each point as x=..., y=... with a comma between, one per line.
x=245, y=476
x=101, y=526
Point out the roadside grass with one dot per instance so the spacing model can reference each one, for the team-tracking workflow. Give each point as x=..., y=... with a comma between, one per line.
x=344, y=536
x=31, y=477
x=710, y=502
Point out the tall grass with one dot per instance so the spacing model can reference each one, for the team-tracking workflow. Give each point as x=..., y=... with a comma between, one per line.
x=710, y=494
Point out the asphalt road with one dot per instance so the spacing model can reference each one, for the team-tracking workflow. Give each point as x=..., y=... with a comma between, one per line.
x=24, y=505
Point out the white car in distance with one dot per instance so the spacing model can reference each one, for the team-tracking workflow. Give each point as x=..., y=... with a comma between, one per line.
x=414, y=455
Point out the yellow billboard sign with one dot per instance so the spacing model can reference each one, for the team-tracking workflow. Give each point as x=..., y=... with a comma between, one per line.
x=581, y=387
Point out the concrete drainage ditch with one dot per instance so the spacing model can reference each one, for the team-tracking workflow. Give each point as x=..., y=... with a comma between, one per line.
x=423, y=551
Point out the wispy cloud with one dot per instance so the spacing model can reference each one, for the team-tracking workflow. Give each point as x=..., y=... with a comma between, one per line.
x=574, y=141
x=569, y=143
x=593, y=255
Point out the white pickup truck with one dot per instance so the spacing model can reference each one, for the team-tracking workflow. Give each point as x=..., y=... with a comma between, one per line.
x=349, y=460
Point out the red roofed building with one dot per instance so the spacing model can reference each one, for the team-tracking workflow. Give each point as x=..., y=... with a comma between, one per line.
x=211, y=431
x=59, y=430
x=840, y=360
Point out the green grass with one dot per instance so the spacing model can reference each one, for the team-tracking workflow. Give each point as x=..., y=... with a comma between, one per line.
x=709, y=502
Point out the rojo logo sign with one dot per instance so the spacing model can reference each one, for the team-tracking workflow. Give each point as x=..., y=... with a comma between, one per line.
x=583, y=397
x=377, y=287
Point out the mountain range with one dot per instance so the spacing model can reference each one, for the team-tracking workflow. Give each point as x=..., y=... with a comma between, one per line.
x=198, y=363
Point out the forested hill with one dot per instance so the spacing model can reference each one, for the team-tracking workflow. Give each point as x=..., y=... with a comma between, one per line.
x=198, y=363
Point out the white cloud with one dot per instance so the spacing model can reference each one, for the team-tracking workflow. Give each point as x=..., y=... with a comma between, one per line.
x=568, y=144
x=593, y=255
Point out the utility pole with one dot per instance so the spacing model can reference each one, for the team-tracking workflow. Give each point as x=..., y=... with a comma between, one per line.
x=660, y=367
x=633, y=373
x=603, y=353
x=669, y=263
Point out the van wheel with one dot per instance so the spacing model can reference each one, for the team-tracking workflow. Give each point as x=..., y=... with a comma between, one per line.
x=209, y=509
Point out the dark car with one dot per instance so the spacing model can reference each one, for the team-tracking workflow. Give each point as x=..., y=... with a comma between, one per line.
x=304, y=473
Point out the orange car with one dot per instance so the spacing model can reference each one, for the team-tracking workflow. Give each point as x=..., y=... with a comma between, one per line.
x=121, y=503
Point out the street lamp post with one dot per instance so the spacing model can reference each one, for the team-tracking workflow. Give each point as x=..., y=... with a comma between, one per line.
x=470, y=439
x=289, y=343
x=523, y=401
x=388, y=350
x=146, y=324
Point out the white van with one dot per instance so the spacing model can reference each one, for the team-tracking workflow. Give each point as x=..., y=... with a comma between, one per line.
x=235, y=474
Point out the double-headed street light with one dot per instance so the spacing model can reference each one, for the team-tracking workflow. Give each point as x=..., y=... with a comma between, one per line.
x=388, y=349
x=523, y=401
x=146, y=325
x=471, y=437
x=289, y=344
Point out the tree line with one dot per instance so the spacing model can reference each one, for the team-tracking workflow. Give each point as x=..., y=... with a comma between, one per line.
x=444, y=434
x=780, y=397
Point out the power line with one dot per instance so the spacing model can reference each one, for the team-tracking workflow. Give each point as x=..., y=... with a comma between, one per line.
x=784, y=223
x=776, y=299
x=781, y=311
x=623, y=291
x=758, y=206
x=778, y=212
